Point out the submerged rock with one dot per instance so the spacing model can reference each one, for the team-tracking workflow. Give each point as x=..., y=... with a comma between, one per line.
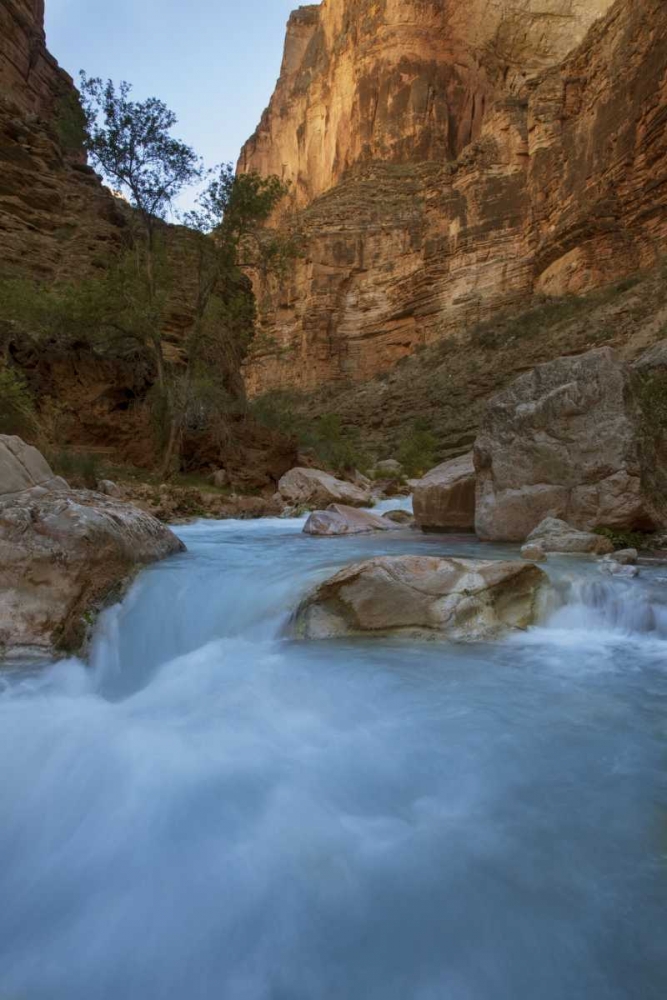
x=425, y=597
x=444, y=500
x=338, y=519
x=399, y=516
x=624, y=570
x=63, y=555
x=318, y=489
x=554, y=535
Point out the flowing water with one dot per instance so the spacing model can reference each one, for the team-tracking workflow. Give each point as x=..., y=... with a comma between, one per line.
x=215, y=812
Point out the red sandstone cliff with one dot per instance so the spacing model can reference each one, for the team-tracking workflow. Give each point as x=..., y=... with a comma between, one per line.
x=524, y=169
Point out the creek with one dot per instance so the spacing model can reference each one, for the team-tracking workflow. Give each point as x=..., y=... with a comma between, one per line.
x=213, y=810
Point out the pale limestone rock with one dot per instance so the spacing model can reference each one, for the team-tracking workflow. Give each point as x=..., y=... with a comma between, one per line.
x=109, y=488
x=23, y=467
x=220, y=478
x=338, y=519
x=425, y=597
x=62, y=556
x=445, y=498
x=554, y=535
x=563, y=441
x=318, y=489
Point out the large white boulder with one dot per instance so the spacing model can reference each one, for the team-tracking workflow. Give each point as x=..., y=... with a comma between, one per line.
x=314, y=488
x=444, y=500
x=569, y=440
x=425, y=597
x=63, y=555
x=23, y=468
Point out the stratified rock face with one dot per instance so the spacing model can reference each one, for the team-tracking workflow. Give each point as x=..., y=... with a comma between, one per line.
x=62, y=555
x=512, y=179
x=563, y=441
x=29, y=74
x=315, y=488
x=424, y=597
x=24, y=469
x=444, y=500
x=400, y=81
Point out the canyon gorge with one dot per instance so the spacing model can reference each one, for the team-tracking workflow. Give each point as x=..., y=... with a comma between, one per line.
x=449, y=161
x=363, y=697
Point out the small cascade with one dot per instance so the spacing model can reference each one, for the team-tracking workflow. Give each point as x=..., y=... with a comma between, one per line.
x=610, y=605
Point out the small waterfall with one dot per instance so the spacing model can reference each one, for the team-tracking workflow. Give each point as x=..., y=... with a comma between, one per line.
x=623, y=606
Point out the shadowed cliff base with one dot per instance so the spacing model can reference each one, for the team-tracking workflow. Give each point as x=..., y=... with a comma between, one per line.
x=443, y=388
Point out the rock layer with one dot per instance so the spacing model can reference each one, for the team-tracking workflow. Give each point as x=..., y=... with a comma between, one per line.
x=517, y=176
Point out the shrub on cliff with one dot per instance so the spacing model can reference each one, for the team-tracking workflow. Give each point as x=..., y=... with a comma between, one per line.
x=417, y=449
x=17, y=411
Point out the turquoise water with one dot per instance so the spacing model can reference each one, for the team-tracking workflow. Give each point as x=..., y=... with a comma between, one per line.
x=215, y=811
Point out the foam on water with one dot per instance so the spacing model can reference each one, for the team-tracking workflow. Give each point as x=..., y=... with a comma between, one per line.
x=216, y=811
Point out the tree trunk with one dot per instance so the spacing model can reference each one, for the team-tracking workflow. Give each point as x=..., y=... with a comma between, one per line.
x=170, y=450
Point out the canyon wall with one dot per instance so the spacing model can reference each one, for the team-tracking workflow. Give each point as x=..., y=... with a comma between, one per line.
x=488, y=164
x=29, y=74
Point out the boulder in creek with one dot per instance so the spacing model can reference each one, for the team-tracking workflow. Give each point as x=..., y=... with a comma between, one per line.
x=568, y=440
x=314, y=488
x=63, y=556
x=554, y=535
x=623, y=570
x=624, y=557
x=24, y=468
x=338, y=519
x=444, y=500
x=399, y=516
x=425, y=597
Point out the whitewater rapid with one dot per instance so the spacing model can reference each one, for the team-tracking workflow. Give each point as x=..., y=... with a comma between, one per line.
x=212, y=811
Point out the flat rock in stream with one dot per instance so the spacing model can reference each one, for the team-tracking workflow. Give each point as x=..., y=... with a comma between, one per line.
x=339, y=519
x=425, y=597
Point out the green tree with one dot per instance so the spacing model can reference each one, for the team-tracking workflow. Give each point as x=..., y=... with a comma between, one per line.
x=130, y=142
x=228, y=227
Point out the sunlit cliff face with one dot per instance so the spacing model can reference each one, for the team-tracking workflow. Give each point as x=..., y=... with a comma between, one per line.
x=401, y=80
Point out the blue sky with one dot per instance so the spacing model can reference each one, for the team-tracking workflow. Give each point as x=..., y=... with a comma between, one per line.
x=215, y=62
